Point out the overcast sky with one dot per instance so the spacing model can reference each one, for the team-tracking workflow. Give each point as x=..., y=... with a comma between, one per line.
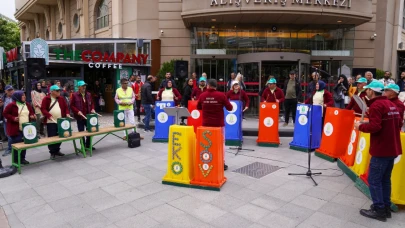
x=7, y=8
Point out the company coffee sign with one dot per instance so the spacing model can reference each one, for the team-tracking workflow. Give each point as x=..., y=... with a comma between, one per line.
x=238, y=3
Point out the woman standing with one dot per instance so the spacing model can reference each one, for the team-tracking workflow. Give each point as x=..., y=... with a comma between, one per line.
x=37, y=96
x=237, y=94
x=17, y=113
x=188, y=89
x=169, y=94
x=321, y=97
x=340, y=91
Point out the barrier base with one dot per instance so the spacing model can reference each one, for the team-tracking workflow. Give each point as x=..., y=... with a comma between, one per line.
x=363, y=187
x=301, y=149
x=262, y=144
x=160, y=140
x=233, y=143
x=209, y=185
x=325, y=157
x=185, y=182
x=352, y=175
x=192, y=186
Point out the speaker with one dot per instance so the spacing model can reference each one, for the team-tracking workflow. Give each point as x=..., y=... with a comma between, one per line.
x=180, y=69
x=36, y=68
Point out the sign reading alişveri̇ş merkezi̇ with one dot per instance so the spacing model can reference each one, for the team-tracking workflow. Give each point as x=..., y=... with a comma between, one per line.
x=97, y=59
x=332, y=3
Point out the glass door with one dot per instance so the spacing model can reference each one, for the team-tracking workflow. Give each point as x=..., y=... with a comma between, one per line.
x=219, y=69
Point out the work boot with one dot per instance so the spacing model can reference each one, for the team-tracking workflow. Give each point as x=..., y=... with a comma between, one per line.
x=1, y=165
x=6, y=153
x=387, y=211
x=285, y=124
x=25, y=162
x=378, y=214
x=59, y=154
x=225, y=167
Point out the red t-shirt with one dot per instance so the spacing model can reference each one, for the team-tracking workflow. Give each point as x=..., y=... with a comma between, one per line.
x=212, y=104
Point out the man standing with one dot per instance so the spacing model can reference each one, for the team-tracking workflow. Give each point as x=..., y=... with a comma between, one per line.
x=202, y=87
x=369, y=76
x=272, y=93
x=387, y=79
x=136, y=87
x=168, y=78
x=391, y=91
x=361, y=92
x=81, y=105
x=54, y=107
x=194, y=77
x=212, y=104
x=125, y=99
x=384, y=127
x=147, y=101
x=230, y=80
x=6, y=100
x=292, y=91
x=131, y=80
x=401, y=82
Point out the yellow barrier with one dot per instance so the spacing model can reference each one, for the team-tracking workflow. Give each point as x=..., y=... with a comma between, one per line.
x=398, y=177
x=180, y=155
x=362, y=156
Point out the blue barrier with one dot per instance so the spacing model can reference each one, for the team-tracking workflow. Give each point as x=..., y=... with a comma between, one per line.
x=162, y=121
x=233, y=124
x=309, y=117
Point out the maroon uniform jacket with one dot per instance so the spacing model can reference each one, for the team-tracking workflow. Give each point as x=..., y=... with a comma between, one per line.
x=10, y=113
x=353, y=105
x=78, y=104
x=400, y=107
x=46, y=104
x=384, y=127
x=240, y=96
x=268, y=96
x=197, y=92
x=212, y=104
x=175, y=93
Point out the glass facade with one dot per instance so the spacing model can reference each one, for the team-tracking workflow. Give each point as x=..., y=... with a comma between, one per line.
x=327, y=41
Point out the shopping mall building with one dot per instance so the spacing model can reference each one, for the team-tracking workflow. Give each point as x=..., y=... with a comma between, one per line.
x=257, y=38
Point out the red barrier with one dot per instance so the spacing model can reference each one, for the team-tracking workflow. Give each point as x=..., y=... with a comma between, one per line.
x=195, y=118
x=268, y=124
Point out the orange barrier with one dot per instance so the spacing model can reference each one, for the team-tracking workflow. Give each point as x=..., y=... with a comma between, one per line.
x=209, y=158
x=398, y=177
x=336, y=133
x=268, y=125
x=195, y=118
x=350, y=155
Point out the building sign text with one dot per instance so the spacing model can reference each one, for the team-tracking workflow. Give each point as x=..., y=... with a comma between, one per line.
x=238, y=3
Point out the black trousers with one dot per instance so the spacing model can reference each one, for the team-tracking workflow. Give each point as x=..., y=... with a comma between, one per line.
x=17, y=139
x=138, y=108
x=52, y=129
x=81, y=125
x=290, y=105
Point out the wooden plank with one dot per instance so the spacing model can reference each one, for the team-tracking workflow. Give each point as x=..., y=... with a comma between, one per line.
x=75, y=135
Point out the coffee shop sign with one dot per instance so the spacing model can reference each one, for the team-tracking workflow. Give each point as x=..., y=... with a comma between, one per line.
x=237, y=3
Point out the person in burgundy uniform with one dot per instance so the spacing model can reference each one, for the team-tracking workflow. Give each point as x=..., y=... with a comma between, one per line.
x=237, y=94
x=385, y=145
x=81, y=105
x=272, y=93
x=391, y=91
x=202, y=87
x=136, y=87
x=212, y=103
x=361, y=92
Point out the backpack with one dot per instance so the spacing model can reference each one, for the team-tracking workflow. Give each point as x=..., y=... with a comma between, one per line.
x=134, y=140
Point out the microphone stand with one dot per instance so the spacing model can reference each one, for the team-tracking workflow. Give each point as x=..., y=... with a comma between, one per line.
x=309, y=172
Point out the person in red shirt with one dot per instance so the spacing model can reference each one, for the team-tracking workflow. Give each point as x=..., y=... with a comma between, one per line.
x=272, y=93
x=201, y=88
x=136, y=87
x=194, y=77
x=391, y=91
x=385, y=145
x=212, y=103
x=361, y=92
x=237, y=94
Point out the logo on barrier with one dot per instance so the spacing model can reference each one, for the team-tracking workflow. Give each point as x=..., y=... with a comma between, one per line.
x=234, y=107
x=397, y=159
x=303, y=120
x=177, y=168
x=168, y=105
x=359, y=157
x=93, y=121
x=268, y=121
x=162, y=117
x=336, y=112
x=303, y=110
x=206, y=156
x=350, y=149
x=362, y=143
x=231, y=119
x=65, y=125
x=274, y=106
x=30, y=132
x=162, y=105
x=263, y=106
x=121, y=116
x=328, y=129
x=195, y=114
x=353, y=137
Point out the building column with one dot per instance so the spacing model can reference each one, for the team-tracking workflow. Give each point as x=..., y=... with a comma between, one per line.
x=84, y=18
x=117, y=18
x=52, y=34
x=66, y=20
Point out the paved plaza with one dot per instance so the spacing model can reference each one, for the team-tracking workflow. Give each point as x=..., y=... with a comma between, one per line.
x=121, y=187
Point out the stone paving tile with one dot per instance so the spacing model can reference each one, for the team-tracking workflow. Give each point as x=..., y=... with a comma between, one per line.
x=13, y=197
x=309, y=202
x=94, y=221
x=163, y=213
x=66, y=203
x=227, y=202
x=120, y=212
x=349, y=200
x=251, y=212
x=3, y=219
x=275, y=220
x=269, y=203
x=319, y=219
x=130, y=195
x=295, y=212
x=185, y=221
x=114, y=189
x=105, y=203
x=27, y=204
x=137, y=221
x=53, y=192
x=230, y=220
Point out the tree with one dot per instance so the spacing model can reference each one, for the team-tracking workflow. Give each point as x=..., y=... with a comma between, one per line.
x=9, y=35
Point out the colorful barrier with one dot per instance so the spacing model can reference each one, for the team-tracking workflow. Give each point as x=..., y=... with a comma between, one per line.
x=268, y=125
x=398, y=177
x=336, y=133
x=162, y=121
x=362, y=159
x=181, y=150
x=350, y=155
x=233, y=124
x=307, y=120
x=195, y=118
x=209, y=158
